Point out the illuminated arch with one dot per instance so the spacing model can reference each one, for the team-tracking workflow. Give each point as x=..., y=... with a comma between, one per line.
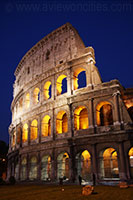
x=36, y=95
x=46, y=168
x=46, y=126
x=81, y=118
x=61, y=122
x=76, y=78
x=83, y=163
x=60, y=86
x=25, y=133
x=104, y=114
x=27, y=100
x=63, y=166
x=130, y=154
x=33, y=168
x=109, y=164
x=47, y=90
x=34, y=130
x=23, y=169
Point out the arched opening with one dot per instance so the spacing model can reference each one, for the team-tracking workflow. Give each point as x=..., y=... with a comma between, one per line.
x=47, y=90
x=27, y=100
x=130, y=111
x=33, y=168
x=46, y=126
x=23, y=171
x=46, y=168
x=18, y=135
x=83, y=165
x=130, y=154
x=25, y=133
x=34, y=130
x=81, y=118
x=61, y=84
x=36, y=95
x=61, y=122
x=104, y=114
x=63, y=166
x=79, y=78
x=109, y=164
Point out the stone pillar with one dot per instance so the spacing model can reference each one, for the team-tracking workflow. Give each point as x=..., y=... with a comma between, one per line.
x=53, y=88
x=39, y=129
x=122, y=164
x=29, y=123
x=19, y=163
x=28, y=167
x=69, y=82
x=94, y=162
x=39, y=167
x=116, y=115
x=72, y=167
x=53, y=167
x=91, y=116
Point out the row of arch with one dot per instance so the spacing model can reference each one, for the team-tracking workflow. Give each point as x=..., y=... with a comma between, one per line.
x=81, y=121
x=79, y=79
x=108, y=166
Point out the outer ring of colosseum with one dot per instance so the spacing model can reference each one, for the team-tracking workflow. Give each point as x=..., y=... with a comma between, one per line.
x=62, y=129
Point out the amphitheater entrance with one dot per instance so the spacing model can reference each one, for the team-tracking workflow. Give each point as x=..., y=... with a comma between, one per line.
x=83, y=165
x=46, y=168
x=63, y=166
x=109, y=164
x=130, y=154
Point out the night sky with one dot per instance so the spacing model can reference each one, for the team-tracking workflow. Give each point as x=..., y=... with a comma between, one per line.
x=107, y=26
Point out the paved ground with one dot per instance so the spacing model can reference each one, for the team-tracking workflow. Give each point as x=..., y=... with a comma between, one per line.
x=68, y=192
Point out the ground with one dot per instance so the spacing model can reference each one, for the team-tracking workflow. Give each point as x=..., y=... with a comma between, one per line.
x=73, y=192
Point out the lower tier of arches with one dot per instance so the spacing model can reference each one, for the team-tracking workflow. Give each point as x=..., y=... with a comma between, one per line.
x=91, y=163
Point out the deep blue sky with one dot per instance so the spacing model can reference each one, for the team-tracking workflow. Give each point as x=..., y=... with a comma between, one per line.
x=107, y=26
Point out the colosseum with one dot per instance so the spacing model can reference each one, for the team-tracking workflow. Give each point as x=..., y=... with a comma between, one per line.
x=66, y=122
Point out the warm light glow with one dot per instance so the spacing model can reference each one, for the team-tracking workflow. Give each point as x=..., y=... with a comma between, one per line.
x=27, y=100
x=46, y=126
x=46, y=89
x=104, y=116
x=110, y=152
x=34, y=130
x=24, y=161
x=25, y=133
x=81, y=118
x=59, y=83
x=20, y=105
x=61, y=122
x=75, y=77
x=36, y=95
x=130, y=152
x=86, y=155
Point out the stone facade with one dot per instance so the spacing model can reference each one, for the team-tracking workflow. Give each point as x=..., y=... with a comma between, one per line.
x=85, y=131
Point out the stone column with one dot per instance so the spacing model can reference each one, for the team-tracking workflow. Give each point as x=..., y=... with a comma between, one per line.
x=69, y=82
x=54, y=166
x=116, y=115
x=19, y=163
x=39, y=129
x=39, y=167
x=28, y=167
x=91, y=115
x=94, y=163
x=122, y=164
x=72, y=167
x=29, y=123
